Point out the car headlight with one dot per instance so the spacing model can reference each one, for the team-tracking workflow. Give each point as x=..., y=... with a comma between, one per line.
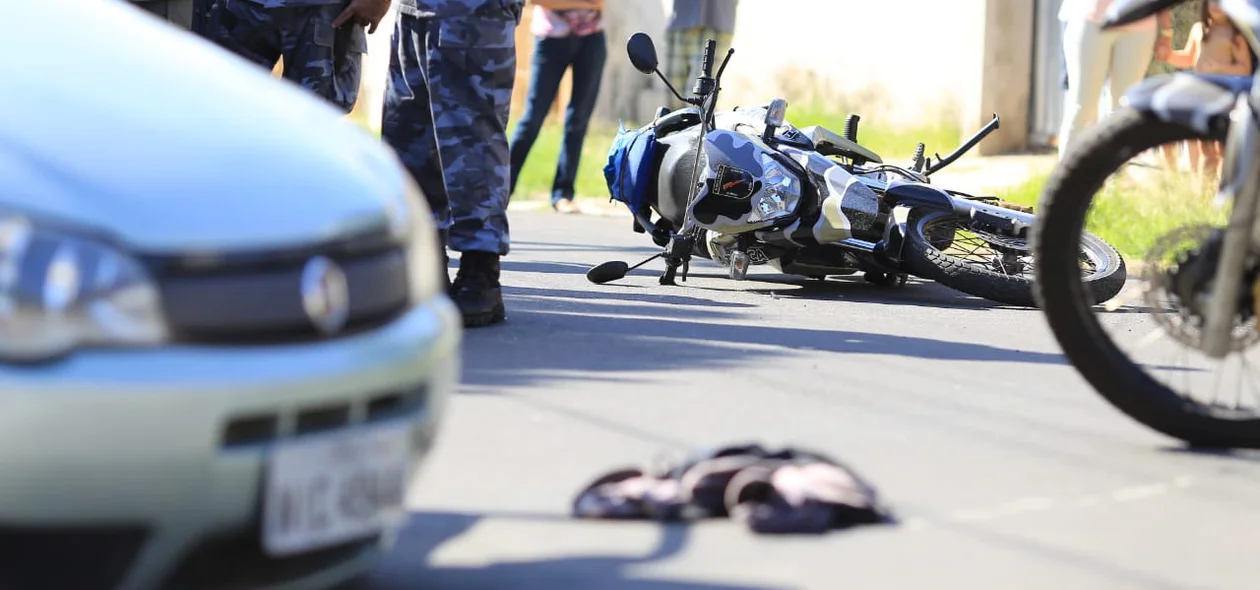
x=424, y=265
x=60, y=291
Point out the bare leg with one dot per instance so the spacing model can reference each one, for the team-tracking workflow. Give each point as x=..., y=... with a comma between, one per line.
x=1212, y=158
x=1196, y=156
x=1171, y=153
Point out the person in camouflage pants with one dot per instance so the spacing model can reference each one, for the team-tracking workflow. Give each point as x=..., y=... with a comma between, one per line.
x=446, y=110
x=176, y=12
x=322, y=41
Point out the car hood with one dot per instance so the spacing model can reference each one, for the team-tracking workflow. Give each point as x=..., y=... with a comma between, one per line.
x=115, y=120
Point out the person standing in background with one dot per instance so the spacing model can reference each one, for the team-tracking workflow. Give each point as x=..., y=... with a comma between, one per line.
x=569, y=36
x=446, y=111
x=1183, y=17
x=1214, y=46
x=692, y=23
x=1094, y=56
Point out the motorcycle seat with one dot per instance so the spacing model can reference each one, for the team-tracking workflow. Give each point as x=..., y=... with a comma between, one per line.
x=830, y=143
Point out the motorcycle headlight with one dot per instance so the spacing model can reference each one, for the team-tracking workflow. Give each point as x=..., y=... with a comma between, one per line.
x=415, y=226
x=60, y=291
x=780, y=192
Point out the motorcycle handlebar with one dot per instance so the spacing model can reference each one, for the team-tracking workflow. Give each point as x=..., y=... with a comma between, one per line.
x=710, y=47
x=964, y=148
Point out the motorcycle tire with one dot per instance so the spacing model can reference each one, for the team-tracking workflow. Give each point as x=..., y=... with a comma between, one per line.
x=1122, y=382
x=926, y=257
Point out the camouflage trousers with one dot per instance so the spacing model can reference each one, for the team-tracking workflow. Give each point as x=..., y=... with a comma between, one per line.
x=445, y=114
x=323, y=59
x=176, y=12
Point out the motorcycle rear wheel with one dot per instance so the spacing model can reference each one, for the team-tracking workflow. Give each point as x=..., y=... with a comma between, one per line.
x=1119, y=379
x=936, y=244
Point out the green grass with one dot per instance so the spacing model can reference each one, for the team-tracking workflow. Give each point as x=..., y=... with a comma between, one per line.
x=539, y=171
x=895, y=144
x=1135, y=209
x=892, y=143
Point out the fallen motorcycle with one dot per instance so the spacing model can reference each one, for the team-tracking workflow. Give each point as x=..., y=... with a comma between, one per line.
x=1193, y=324
x=746, y=188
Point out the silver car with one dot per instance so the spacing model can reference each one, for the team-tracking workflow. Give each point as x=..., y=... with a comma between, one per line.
x=224, y=348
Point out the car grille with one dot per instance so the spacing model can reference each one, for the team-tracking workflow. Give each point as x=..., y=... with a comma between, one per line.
x=263, y=428
x=66, y=558
x=258, y=300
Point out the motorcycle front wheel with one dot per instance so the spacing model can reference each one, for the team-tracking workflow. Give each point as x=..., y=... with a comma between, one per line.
x=1142, y=357
x=945, y=248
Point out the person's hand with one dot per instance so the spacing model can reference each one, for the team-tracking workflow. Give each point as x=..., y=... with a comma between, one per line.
x=1163, y=47
x=363, y=12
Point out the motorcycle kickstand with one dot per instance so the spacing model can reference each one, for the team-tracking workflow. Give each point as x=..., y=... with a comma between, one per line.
x=678, y=254
x=671, y=271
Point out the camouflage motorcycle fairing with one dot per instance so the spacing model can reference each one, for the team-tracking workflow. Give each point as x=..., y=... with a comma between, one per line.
x=744, y=187
x=849, y=207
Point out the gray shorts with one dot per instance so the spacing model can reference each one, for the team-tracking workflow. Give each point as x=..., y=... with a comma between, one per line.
x=177, y=12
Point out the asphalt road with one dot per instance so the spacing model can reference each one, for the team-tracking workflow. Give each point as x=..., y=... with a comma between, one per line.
x=1004, y=469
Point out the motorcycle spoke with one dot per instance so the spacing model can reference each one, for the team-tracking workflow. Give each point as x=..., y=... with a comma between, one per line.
x=1181, y=358
x=1218, y=376
x=975, y=249
x=1252, y=384
x=1155, y=335
x=1244, y=371
x=1130, y=294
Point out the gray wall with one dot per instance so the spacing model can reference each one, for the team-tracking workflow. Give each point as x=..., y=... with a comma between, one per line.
x=626, y=93
x=1047, y=84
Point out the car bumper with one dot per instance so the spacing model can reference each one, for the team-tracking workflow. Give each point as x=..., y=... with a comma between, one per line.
x=150, y=462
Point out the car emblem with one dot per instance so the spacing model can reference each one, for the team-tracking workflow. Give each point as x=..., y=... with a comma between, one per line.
x=325, y=295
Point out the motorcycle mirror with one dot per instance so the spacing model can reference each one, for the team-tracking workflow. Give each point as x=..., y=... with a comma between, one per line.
x=642, y=53
x=607, y=272
x=776, y=114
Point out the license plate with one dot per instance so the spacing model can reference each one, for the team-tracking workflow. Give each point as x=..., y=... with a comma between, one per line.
x=333, y=489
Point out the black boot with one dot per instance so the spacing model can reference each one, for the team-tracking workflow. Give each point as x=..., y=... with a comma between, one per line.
x=476, y=290
x=445, y=261
x=446, y=273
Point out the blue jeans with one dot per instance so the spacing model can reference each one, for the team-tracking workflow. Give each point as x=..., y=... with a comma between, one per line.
x=552, y=57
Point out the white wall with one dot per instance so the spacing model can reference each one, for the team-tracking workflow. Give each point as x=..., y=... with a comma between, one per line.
x=899, y=60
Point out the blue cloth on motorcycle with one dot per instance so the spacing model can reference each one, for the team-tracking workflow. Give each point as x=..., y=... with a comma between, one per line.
x=629, y=169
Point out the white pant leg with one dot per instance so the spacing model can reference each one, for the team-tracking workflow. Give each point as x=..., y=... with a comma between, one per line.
x=1087, y=51
x=1130, y=59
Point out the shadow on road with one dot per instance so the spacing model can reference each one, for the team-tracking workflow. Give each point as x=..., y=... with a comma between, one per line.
x=1236, y=455
x=566, y=268
x=408, y=567
x=618, y=252
x=916, y=292
x=556, y=334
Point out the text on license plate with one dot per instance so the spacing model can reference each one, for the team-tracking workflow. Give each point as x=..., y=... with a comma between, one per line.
x=332, y=489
